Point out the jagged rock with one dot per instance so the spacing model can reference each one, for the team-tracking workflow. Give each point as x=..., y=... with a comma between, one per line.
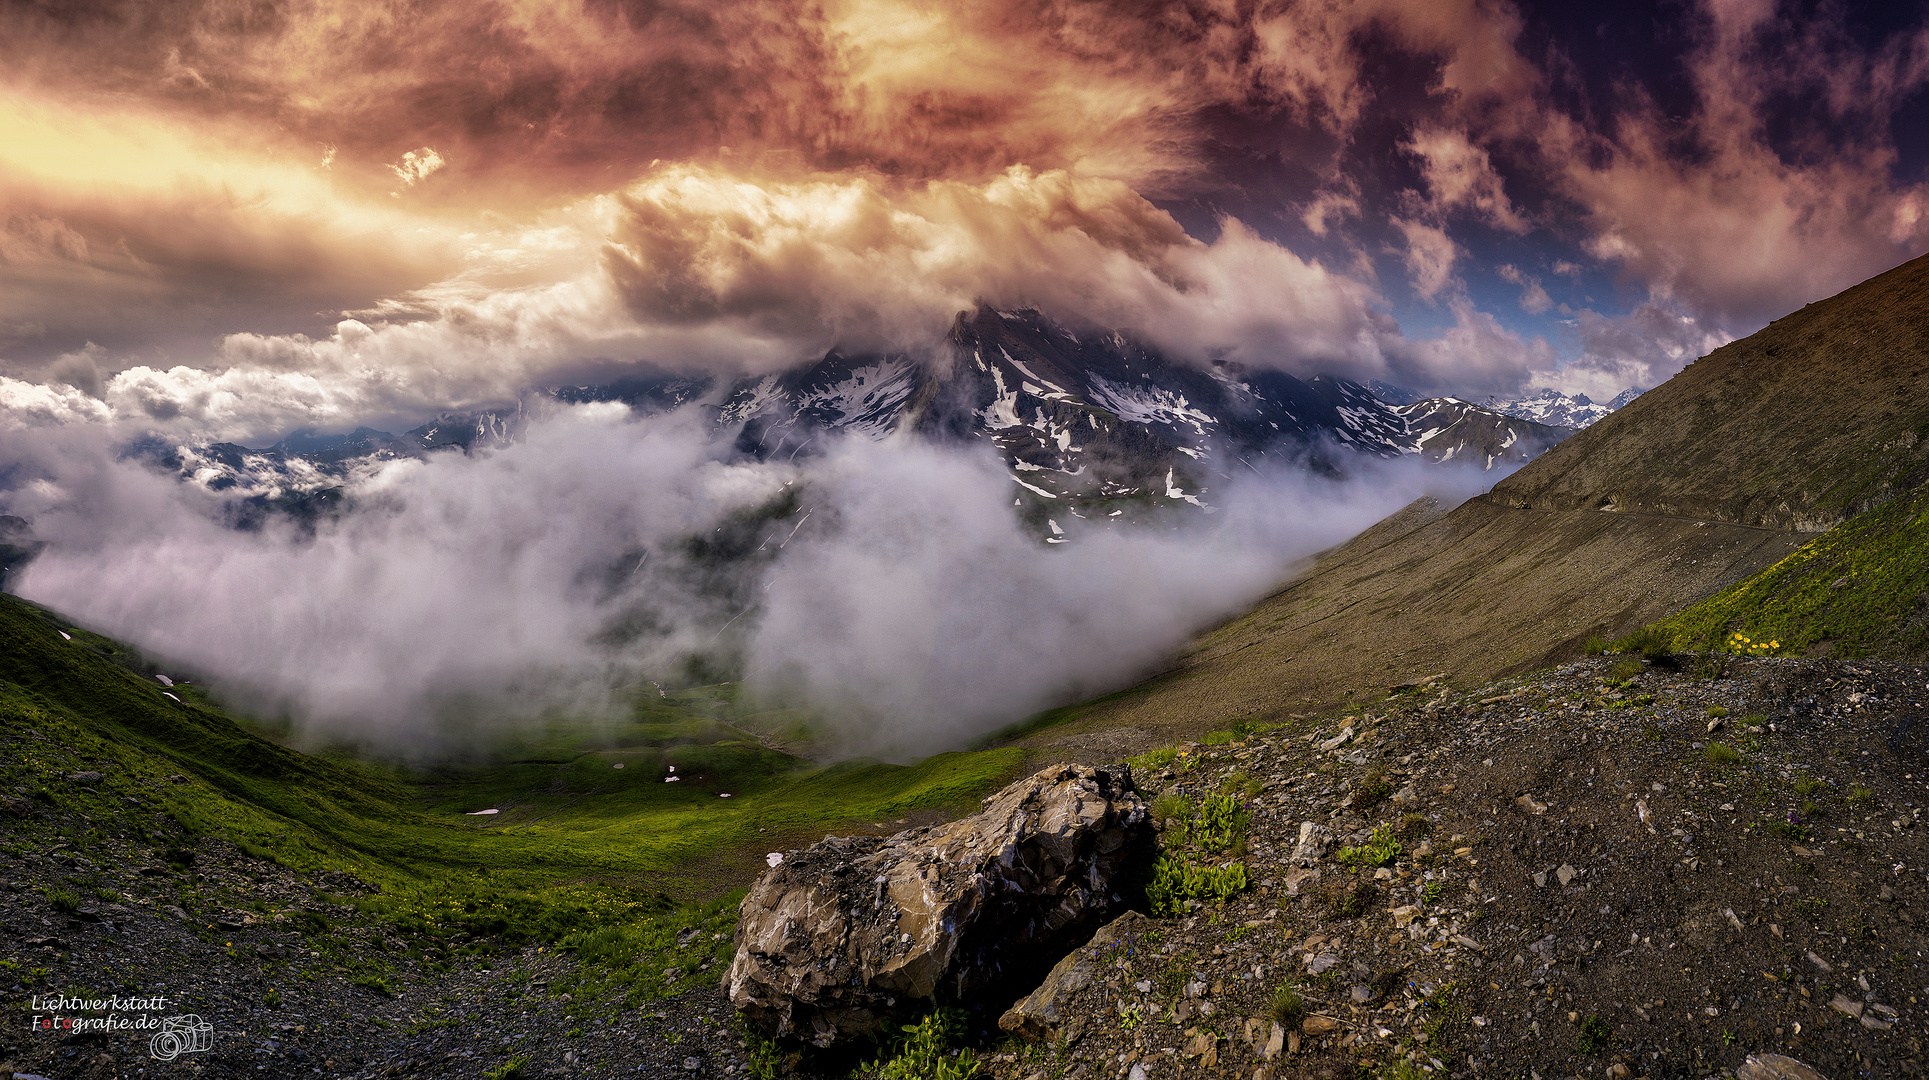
x=1313, y=838
x=1041, y=1014
x=1775, y=1067
x=849, y=933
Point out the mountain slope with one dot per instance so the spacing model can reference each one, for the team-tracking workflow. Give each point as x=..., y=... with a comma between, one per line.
x=1818, y=416
x=1691, y=488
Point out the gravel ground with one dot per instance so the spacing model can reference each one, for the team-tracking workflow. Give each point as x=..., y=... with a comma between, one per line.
x=1582, y=891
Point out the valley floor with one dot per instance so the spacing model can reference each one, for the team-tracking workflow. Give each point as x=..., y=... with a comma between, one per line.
x=1579, y=879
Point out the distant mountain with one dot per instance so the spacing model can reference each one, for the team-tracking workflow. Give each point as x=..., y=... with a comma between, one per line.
x=1101, y=421
x=1096, y=423
x=1552, y=407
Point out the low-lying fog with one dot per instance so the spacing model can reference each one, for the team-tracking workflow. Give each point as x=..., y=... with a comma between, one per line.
x=888, y=586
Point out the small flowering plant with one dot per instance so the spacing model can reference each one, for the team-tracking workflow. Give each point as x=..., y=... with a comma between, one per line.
x=1739, y=642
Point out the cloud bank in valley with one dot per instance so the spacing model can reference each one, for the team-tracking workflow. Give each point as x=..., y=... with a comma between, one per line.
x=897, y=596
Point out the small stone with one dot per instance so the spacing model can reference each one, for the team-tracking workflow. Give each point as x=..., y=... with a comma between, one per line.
x=1319, y=1025
x=87, y=777
x=1540, y=879
x=1404, y=915
x=1846, y=1005
x=1527, y=803
x=1137, y=1073
x=1336, y=741
x=1886, y=893
x=1716, y=725
x=1361, y=994
x=1618, y=1071
x=1320, y=964
x=1873, y=1022
x=1313, y=838
x=1567, y=874
x=1275, y=1041
x=1819, y=962
x=1775, y=1067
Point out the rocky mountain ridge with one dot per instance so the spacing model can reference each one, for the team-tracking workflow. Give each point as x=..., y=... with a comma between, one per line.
x=1096, y=420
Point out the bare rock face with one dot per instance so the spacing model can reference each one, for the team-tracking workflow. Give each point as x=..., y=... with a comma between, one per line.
x=1055, y=1006
x=845, y=935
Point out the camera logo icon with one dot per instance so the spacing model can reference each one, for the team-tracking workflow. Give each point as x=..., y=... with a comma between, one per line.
x=181, y=1035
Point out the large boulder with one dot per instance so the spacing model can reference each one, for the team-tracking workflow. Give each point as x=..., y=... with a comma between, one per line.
x=853, y=932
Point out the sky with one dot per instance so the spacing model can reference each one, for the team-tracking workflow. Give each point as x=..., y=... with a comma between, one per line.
x=228, y=219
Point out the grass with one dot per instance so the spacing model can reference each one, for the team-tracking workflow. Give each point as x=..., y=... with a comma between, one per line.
x=1374, y=789
x=1719, y=753
x=1595, y=1036
x=1852, y=589
x=1354, y=902
x=1648, y=642
x=1286, y=1008
x=1624, y=670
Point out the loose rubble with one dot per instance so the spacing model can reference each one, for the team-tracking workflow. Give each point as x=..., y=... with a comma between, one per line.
x=1583, y=887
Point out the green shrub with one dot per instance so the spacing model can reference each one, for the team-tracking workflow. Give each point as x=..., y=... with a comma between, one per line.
x=1221, y=823
x=1380, y=849
x=1789, y=830
x=923, y=1052
x=1860, y=795
x=1806, y=785
x=1594, y=646
x=1716, y=712
x=1242, y=784
x=65, y=901
x=1175, y=881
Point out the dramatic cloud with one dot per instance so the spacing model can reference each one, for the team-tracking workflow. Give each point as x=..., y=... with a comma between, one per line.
x=175, y=173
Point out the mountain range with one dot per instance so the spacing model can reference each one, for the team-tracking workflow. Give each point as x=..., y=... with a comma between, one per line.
x=1096, y=422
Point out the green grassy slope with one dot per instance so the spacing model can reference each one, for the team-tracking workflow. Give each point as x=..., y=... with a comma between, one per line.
x=579, y=845
x=1859, y=590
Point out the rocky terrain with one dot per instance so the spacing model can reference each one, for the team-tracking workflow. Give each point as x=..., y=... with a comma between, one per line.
x=1606, y=869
